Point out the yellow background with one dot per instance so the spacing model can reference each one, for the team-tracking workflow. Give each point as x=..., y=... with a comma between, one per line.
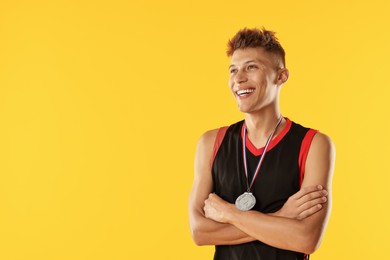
x=102, y=104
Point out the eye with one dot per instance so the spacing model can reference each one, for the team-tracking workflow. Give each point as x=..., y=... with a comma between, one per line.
x=232, y=71
x=252, y=66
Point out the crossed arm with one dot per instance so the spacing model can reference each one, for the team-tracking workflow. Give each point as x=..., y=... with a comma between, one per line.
x=298, y=226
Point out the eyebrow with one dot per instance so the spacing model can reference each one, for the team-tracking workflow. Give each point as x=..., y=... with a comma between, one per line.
x=249, y=61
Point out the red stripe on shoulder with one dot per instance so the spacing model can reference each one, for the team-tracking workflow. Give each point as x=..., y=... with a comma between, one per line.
x=217, y=143
x=303, y=153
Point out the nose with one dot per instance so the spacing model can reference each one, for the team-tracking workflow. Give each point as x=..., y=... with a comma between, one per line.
x=240, y=77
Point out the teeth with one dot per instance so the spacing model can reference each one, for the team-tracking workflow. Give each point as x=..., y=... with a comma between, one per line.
x=244, y=91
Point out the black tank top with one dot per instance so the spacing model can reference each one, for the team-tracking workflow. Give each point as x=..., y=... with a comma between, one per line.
x=280, y=177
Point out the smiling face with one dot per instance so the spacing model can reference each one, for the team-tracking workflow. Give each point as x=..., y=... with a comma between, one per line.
x=255, y=78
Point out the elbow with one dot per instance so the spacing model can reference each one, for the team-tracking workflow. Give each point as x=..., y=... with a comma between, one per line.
x=198, y=233
x=308, y=240
x=310, y=247
x=198, y=237
x=311, y=243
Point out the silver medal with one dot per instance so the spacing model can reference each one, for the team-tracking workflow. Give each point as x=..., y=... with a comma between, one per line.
x=245, y=201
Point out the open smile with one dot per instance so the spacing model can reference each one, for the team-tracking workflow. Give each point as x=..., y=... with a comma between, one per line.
x=244, y=92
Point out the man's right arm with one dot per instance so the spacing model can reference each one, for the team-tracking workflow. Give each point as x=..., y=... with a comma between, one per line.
x=206, y=231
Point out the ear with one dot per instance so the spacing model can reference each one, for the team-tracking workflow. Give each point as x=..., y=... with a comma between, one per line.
x=282, y=76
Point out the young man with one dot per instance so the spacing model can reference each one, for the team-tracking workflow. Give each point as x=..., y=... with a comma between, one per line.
x=262, y=186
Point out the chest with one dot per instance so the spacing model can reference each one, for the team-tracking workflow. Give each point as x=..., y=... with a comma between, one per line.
x=278, y=176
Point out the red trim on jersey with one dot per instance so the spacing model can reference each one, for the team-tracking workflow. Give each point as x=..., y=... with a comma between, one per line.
x=303, y=153
x=218, y=140
x=258, y=151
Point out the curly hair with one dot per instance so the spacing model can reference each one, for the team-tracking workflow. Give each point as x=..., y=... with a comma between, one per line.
x=252, y=38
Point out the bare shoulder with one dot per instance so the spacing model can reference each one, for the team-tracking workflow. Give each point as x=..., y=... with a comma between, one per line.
x=209, y=135
x=207, y=139
x=204, y=152
x=322, y=144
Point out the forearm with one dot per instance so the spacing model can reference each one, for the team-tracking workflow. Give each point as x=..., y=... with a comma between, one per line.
x=208, y=232
x=280, y=232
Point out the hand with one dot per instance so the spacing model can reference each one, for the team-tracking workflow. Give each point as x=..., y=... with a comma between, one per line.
x=304, y=203
x=216, y=208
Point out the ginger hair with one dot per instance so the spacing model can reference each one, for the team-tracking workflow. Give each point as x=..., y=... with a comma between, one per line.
x=253, y=38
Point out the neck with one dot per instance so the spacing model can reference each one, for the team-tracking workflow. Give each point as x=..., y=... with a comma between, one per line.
x=261, y=124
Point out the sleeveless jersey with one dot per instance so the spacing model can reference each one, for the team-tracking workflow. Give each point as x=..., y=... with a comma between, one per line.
x=280, y=176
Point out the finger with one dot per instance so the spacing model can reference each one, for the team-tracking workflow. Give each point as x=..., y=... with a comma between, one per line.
x=312, y=196
x=311, y=211
x=206, y=202
x=213, y=196
x=206, y=209
x=306, y=190
x=312, y=203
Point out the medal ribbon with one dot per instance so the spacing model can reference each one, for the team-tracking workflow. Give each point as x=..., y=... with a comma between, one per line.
x=261, y=157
